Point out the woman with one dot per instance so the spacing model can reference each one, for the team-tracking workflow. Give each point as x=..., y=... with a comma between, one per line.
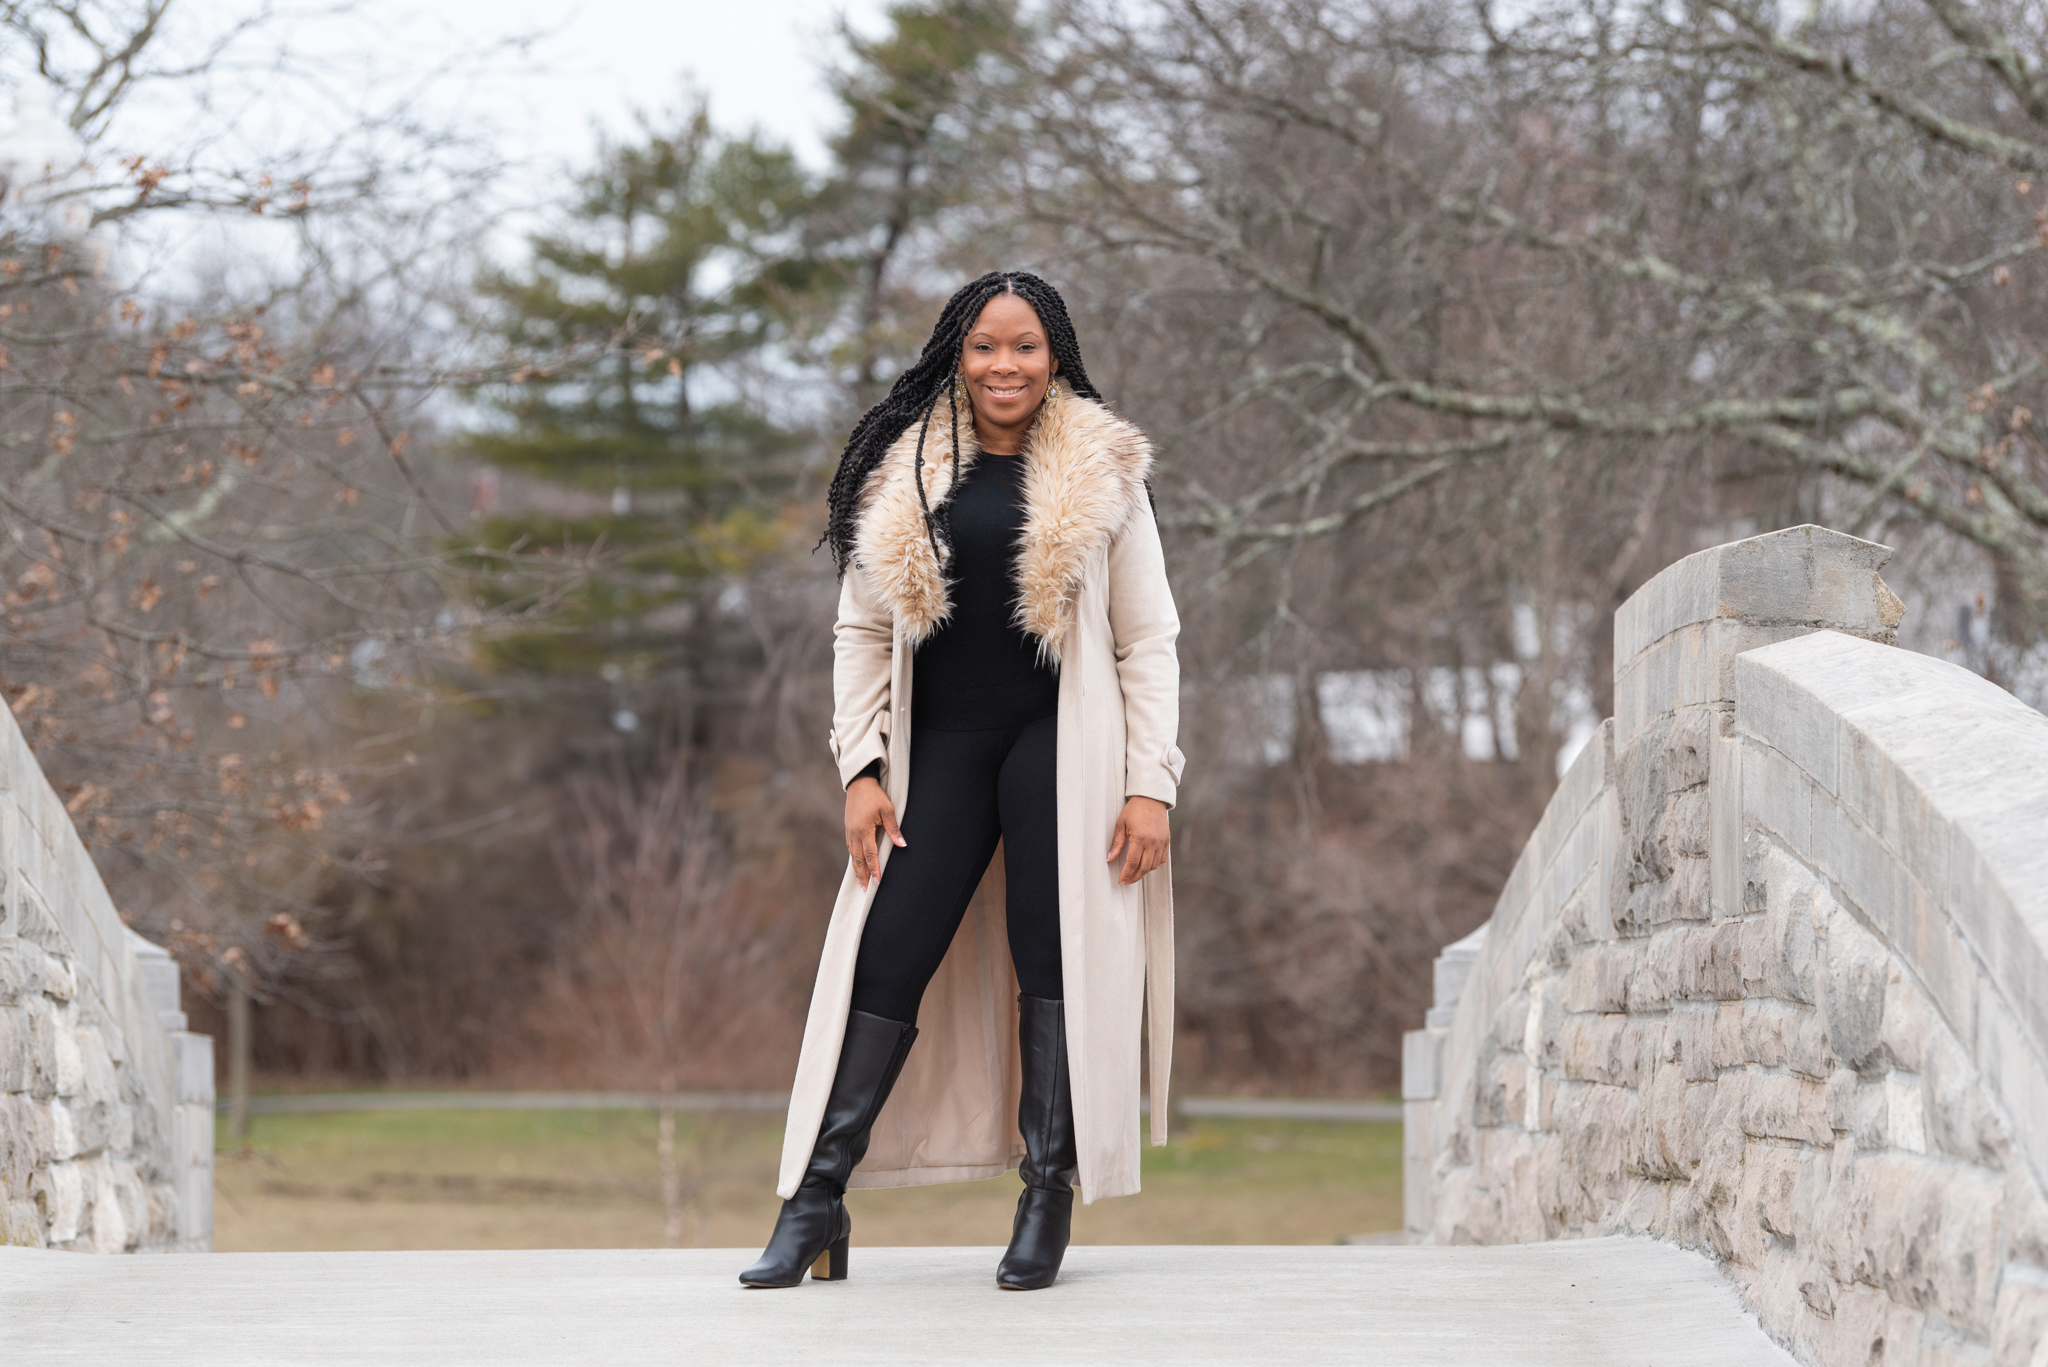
x=1003, y=670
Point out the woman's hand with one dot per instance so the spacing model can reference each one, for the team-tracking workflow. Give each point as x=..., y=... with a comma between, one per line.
x=868, y=807
x=1142, y=837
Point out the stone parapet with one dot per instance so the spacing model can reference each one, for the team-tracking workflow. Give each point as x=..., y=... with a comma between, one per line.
x=106, y=1100
x=1774, y=985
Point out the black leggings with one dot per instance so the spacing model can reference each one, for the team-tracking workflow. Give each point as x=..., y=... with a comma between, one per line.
x=968, y=790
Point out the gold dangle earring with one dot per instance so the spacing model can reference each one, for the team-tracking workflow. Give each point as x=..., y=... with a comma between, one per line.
x=1052, y=391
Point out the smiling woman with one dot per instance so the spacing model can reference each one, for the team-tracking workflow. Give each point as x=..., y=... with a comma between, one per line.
x=1004, y=605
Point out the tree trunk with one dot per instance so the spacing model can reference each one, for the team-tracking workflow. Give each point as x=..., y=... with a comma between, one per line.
x=238, y=1057
x=671, y=1173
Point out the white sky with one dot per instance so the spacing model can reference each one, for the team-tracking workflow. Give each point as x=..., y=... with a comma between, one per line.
x=757, y=60
x=533, y=81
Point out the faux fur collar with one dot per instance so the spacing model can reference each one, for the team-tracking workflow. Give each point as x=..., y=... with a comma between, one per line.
x=1084, y=475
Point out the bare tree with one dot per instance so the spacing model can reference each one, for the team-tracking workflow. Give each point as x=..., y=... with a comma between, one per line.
x=661, y=977
x=1622, y=238
x=216, y=538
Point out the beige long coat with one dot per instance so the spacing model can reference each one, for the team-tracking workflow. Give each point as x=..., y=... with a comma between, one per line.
x=1092, y=587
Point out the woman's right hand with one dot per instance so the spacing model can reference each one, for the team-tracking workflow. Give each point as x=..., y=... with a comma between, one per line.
x=867, y=809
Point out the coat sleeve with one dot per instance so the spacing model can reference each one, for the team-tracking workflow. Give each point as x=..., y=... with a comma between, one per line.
x=1145, y=626
x=863, y=642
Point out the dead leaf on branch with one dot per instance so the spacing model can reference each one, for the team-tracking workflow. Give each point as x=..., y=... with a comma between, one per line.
x=285, y=927
x=88, y=795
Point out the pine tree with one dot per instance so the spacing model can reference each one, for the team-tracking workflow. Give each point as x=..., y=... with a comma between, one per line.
x=642, y=395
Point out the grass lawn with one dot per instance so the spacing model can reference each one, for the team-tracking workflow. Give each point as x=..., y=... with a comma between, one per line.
x=587, y=1179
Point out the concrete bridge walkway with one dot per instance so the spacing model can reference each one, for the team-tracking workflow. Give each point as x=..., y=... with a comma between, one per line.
x=1591, y=1303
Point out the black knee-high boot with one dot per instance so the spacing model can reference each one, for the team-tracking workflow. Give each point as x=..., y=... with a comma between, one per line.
x=813, y=1227
x=1045, y=1210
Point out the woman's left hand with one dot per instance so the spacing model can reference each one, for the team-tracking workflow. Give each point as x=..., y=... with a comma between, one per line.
x=1142, y=837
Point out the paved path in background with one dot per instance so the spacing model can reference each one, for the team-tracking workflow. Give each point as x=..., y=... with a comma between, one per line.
x=1195, y=1107
x=1587, y=1303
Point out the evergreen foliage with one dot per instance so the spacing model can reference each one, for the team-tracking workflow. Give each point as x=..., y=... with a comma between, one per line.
x=639, y=343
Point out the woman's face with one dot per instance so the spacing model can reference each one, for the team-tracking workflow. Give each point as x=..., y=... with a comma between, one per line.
x=1007, y=365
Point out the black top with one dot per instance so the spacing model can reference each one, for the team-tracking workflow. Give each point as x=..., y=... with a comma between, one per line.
x=981, y=671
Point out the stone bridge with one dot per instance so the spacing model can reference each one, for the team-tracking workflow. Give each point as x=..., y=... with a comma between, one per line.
x=1747, y=1067
x=1770, y=980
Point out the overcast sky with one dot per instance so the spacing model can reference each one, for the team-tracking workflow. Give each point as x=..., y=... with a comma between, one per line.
x=535, y=81
x=757, y=60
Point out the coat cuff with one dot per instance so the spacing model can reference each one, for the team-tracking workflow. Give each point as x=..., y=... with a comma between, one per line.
x=873, y=749
x=1155, y=776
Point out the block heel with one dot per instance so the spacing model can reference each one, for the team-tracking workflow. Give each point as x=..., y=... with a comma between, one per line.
x=831, y=1264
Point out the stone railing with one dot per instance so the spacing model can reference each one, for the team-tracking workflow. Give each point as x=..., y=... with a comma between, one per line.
x=106, y=1100
x=1770, y=980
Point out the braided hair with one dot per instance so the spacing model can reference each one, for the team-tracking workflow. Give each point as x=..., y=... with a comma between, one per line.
x=914, y=398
